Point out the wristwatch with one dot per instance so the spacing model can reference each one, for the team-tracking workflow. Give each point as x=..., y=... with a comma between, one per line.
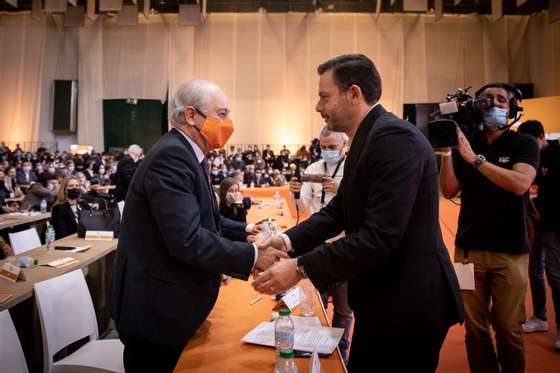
x=300, y=271
x=478, y=160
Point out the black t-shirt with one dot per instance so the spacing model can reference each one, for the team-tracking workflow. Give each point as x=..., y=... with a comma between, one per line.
x=548, y=179
x=492, y=218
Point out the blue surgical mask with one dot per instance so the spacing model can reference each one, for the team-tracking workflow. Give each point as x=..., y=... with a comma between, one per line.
x=495, y=118
x=331, y=156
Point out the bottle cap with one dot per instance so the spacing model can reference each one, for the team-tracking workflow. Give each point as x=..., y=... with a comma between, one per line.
x=287, y=353
x=284, y=312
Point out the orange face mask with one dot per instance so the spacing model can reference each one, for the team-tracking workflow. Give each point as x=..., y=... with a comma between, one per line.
x=216, y=132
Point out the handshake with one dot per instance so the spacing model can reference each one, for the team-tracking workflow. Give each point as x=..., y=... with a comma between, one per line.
x=273, y=275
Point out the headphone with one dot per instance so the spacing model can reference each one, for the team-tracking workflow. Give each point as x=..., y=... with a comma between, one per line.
x=514, y=107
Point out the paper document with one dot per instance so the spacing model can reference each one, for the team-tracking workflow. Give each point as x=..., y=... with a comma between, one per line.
x=62, y=262
x=307, y=338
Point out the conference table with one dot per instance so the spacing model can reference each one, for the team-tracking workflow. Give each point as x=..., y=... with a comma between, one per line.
x=97, y=261
x=11, y=220
x=217, y=346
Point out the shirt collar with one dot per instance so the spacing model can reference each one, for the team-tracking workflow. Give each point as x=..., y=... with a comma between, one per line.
x=197, y=151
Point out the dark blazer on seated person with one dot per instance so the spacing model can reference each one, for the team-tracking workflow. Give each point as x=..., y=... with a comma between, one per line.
x=170, y=253
x=63, y=219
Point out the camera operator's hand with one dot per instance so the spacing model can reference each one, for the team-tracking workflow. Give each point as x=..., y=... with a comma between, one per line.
x=464, y=148
x=295, y=186
x=329, y=186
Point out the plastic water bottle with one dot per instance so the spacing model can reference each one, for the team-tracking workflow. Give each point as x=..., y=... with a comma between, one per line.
x=49, y=238
x=43, y=206
x=285, y=362
x=284, y=331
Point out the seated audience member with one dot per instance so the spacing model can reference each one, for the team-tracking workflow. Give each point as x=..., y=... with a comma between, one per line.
x=89, y=172
x=249, y=176
x=278, y=179
x=11, y=180
x=262, y=179
x=237, y=175
x=232, y=204
x=66, y=211
x=216, y=177
x=25, y=175
x=46, y=187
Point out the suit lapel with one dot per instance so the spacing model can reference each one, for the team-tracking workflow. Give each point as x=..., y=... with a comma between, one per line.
x=201, y=174
x=355, y=155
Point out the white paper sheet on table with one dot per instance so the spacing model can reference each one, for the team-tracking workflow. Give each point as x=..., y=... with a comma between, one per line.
x=300, y=321
x=307, y=338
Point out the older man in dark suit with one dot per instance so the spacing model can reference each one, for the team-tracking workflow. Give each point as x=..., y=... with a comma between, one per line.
x=401, y=284
x=171, y=252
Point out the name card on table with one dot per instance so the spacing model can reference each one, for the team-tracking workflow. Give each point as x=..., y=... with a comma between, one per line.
x=292, y=298
x=10, y=272
x=99, y=235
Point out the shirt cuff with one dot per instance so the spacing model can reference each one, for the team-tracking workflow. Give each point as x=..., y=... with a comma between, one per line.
x=256, y=254
x=249, y=228
x=287, y=242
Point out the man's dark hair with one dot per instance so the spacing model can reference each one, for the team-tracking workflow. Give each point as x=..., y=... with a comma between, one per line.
x=349, y=69
x=532, y=127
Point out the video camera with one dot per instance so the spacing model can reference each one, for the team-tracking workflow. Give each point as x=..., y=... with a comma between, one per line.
x=460, y=110
x=463, y=111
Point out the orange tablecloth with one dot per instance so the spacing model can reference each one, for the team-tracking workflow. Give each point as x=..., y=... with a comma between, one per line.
x=269, y=192
x=217, y=347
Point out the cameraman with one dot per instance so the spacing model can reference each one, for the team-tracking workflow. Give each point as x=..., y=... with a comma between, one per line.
x=545, y=253
x=493, y=172
x=312, y=197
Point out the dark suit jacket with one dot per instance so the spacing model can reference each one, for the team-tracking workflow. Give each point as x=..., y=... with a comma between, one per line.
x=401, y=283
x=170, y=253
x=125, y=171
x=21, y=180
x=63, y=220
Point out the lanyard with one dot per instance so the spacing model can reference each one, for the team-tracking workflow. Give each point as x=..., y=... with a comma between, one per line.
x=333, y=176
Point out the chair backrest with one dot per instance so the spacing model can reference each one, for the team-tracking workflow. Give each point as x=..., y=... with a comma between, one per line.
x=24, y=241
x=66, y=313
x=11, y=354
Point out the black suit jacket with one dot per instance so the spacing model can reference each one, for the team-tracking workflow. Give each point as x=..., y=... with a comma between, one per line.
x=63, y=220
x=125, y=171
x=170, y=253
x=21, y=180
x=401, y=283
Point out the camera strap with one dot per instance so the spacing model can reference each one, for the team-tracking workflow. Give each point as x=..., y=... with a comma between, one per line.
x=465, y=256
x=332, y=177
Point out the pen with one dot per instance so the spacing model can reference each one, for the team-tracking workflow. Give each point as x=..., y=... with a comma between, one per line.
x=256, y=300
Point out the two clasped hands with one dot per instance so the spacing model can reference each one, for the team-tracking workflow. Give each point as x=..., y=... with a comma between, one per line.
x=274, y=271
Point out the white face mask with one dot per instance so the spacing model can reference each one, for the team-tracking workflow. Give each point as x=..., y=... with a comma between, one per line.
x=27, y=169
x=495, y=118
x=101, y=171
x=231, y=197
x=51, y=170
x=331, y=156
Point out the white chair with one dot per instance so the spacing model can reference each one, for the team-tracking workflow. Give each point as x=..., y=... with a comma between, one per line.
x=67, y=315
x=11, y=355
x=24, y=241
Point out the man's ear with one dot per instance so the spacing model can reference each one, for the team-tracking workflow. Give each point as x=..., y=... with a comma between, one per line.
x=189, y=114
x=354, y=93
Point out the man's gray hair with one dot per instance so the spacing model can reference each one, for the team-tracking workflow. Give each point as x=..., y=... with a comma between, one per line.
x=340, y=136
x=192, y=93
x=134, y=149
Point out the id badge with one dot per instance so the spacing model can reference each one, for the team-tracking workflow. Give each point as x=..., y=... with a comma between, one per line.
x=465, y=275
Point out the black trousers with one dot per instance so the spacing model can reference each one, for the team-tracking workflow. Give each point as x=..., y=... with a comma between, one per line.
x=370, y=354
x=141, y=355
